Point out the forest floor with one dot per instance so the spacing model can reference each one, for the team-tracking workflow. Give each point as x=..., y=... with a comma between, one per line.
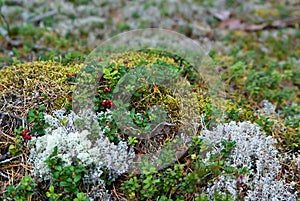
x=255, y=46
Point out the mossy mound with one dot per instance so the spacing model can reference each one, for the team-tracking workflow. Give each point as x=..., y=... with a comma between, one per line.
x=24, y=86
x=179, y=109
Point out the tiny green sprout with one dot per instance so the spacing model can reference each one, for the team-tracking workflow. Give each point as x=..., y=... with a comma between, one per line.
x=52, y=195
x=63, y=121
x=132, y=140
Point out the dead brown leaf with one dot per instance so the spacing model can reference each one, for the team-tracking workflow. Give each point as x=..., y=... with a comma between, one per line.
x=237, y=24
x=232, y=24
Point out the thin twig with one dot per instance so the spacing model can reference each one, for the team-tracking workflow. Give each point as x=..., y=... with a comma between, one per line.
x=10, y=159
x=164, y=123
x=14, y=43
x=3, y=175
x=44, y=15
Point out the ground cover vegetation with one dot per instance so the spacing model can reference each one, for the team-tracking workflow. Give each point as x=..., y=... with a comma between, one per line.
x=46, y=154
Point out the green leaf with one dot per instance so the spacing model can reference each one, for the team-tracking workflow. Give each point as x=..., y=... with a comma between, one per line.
x=138, y=122
x=76, y=178
x=48, y=194
x=59, y=168
x=80, y=195
x=42, y=107
x=28, y=188
x=40, y=132
x=136, y=94
x=31, y=116
x=51, y=189
x=114, y=73
x=64, y=183
x=132, y=112
x=41, y=115
x=56, y=175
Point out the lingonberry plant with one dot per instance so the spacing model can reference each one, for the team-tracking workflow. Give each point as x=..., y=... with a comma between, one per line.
x=180, y=181
x=71, y=78
x=36, y=118
x=22, y=136
x=67, y=178
x=23, y=191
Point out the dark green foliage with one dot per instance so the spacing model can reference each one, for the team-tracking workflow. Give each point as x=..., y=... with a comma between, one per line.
x=180, y=181
x=23, y=191
x=66, y=179
x=37, y=118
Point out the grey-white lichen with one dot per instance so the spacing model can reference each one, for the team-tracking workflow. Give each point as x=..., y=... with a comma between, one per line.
x=267, y=109
x=257, y=152
x=254, y=151
x=72, y=142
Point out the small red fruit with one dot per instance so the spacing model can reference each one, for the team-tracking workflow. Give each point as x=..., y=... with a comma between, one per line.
x=108, y=90
x=25, y=132
x=105, y=90
x=70, y=99
x=108, y=103
x=103, y=103
x=27, y=137
x=68, y=75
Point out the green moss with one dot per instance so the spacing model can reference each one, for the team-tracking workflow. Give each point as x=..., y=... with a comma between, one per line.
x=182, y=102
x=35, y=83
x=239, y=113
x=133, y=59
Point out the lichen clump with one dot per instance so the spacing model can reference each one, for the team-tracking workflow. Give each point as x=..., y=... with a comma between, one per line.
x=71, y=142
x=256, y=152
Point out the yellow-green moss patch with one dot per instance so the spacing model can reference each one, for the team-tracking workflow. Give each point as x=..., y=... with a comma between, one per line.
x=24, y=86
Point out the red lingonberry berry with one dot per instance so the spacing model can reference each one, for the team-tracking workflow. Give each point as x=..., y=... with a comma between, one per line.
x=68, y=75
x=25, y=132
x=74, y=75
x=70, y=99
x=108, y=90
x=105, y=90
x=103, y=103
x=27, y=137
x=108, y=103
